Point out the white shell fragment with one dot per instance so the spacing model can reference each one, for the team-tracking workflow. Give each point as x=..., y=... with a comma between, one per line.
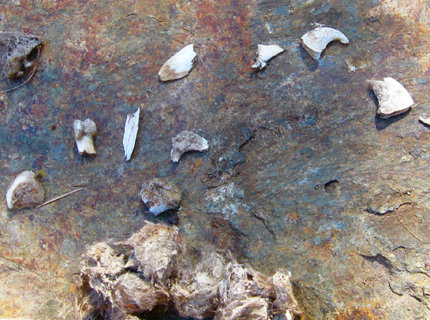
x=393, y=98
x=130, y=134
x=179, y=65
x=265, y=53
x=160, y=195
x=84, y=134
x=316, y=41
x=25, y=191
x=187, y=141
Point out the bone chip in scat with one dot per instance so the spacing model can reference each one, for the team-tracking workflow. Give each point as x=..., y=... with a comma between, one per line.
x=130, y=134
x=187, y=141
x=84, y=135
x=265, y=53
x=25, y=191
x=393, y=98
x=315, y=41
x=179, y=65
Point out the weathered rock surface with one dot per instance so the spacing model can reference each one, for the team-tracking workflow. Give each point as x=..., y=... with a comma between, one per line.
x=276, y=137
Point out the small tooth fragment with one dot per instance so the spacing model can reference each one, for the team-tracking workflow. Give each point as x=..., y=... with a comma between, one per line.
x=160, y=195
x=130, y=134
x=179, y=65
x=393, y=98
x=315, y=41
x=187, y=141
x=84, y=134
x=265, y=53
x=25, y=191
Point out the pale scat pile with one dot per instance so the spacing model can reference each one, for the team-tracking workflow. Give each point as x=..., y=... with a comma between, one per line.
x=152, y=270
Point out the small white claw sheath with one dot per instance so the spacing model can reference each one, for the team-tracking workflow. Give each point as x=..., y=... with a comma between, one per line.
x=316, y=41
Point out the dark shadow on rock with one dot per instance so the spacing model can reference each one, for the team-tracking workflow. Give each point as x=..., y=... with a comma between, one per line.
x=12, y=213
x=310, y=63
x=168, y=217
x=331, y=186
x=381, y=124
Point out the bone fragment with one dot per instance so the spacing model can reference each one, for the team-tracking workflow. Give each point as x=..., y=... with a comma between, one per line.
x=160, y=195
x=179, y=65
x=187, y=141
x=265, y=53
x=130, y=134
x=25, y=191
x=16, y=53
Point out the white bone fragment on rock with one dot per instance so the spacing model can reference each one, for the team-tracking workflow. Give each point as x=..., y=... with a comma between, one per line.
x=393, y=98
x=315, y=41
x=130, y=134
x=187, y=141
x=179, y=65
x=25, y=191
x=84, y=134
x=265, y=53
x=425, y=120
x=160, y=195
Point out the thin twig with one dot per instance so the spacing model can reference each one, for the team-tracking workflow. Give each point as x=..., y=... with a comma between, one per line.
x=60, y=197
x=31, y=76
x=412, y=234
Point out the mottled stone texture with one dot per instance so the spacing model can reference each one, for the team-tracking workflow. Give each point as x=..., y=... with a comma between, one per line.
x=299, y=164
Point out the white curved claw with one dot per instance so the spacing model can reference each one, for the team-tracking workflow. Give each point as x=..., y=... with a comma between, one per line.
x=393, y=98
x=316, y=41
x=265, y=53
